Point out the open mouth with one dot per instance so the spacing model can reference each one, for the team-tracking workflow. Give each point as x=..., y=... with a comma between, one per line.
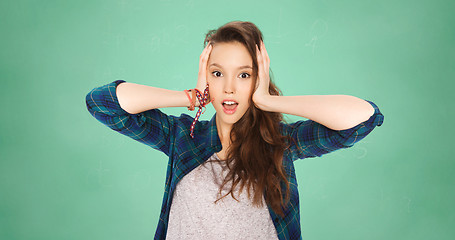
x=229, y=107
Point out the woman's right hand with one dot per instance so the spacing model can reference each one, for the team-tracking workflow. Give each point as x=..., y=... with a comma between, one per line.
x=202, y=76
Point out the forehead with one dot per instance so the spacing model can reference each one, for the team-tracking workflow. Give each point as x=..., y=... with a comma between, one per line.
x=230, y=55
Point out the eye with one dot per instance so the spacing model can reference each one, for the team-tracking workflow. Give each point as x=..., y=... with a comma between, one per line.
x=246, y=74
x=216, y=72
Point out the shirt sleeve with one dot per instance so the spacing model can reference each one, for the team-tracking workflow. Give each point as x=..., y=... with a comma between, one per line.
x=312, y=139
x=152, y=128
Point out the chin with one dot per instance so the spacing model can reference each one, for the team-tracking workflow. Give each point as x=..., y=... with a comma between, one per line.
x=229, y=119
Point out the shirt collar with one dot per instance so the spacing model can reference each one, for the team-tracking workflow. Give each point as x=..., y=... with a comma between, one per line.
x=211, y=136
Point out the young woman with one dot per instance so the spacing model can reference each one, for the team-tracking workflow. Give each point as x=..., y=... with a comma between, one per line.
x=246, y=143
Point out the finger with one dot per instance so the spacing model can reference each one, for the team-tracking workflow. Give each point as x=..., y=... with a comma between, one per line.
x=203, y=60
x=209, y=50
x=259, y=66
x=207, y=54
x=261, y=62
x=258, y=55
x=200, y=60
x=264, y=56
x=206, y=58
x=266, y=53
x=266, y=60
x=261, y=69
x=259, y=59
x=204, y=53
x=204, y=71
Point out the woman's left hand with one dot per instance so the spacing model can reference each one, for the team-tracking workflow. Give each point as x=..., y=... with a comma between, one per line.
x=262, y=84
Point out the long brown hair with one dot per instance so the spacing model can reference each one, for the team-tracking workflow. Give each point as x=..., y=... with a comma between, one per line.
x=255, y=155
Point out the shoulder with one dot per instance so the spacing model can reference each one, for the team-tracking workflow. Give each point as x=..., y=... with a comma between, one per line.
x=287, y=128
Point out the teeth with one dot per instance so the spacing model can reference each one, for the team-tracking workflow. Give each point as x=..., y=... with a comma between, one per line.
x=229, y=102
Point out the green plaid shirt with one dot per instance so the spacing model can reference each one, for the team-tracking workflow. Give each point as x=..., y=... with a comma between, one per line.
x=171, y=135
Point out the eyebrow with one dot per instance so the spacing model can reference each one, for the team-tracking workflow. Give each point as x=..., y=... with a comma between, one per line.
x=241, y=67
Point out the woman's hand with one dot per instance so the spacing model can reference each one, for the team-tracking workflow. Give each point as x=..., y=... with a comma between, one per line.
x=262, y=84
x=202, y=76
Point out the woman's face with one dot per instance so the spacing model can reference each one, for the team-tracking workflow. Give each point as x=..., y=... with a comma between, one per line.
x=229, y=75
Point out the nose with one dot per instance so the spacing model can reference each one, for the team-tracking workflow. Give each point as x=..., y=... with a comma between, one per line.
x=229, y=86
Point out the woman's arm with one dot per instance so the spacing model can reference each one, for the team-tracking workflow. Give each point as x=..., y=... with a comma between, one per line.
x=337, y=112
x=151, y=127
x=135, y=98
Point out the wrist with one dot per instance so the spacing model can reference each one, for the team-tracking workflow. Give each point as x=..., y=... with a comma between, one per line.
x=193, y=99
x=201, y=88
x=196, y=100
x=262, y=102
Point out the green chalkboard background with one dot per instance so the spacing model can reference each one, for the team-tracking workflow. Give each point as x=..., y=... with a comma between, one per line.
x=64, y=175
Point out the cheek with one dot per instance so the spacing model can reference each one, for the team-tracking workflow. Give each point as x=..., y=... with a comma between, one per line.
x=213, y=93
x=246, y=95
x=248, y=89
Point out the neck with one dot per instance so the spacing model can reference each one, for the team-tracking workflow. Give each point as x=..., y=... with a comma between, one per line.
x=224, y=131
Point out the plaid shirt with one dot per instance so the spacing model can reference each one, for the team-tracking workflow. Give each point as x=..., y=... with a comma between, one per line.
x=171, y=135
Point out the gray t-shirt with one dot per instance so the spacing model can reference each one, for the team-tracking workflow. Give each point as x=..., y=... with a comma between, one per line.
x=194, y=215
